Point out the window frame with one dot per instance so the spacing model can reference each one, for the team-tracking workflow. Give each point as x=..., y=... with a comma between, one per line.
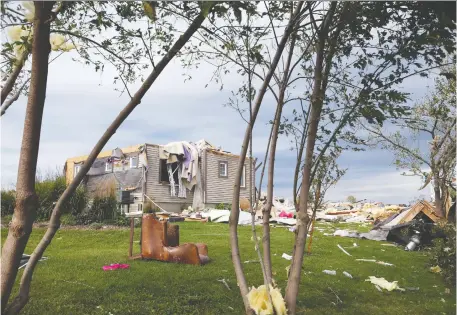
x=109, y=167
x=163, y=168
x=243, y=177
x=137, y=161
x=76, y=169
x=219, y=169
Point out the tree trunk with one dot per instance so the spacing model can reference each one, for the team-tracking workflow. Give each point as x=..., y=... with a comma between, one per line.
x=267, y=209
x=438, y=200
x=271, y=165
x=54, y=224
x=235, y=212
x=26, y=198
x=262, y=174
x=317, y=99
x=298, y=164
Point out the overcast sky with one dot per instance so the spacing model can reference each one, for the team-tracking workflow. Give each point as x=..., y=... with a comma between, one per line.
x=81, y=103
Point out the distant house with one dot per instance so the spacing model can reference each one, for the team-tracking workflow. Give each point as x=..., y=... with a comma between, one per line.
x=201, y=177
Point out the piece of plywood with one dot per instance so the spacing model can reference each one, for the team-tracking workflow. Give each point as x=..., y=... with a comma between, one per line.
x=422, y=206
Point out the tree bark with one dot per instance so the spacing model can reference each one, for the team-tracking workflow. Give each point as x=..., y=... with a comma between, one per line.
x=54, y=224
x=26, y=198
x=317, y=98
x=271, y=165
x=437, y=190
x=298, y=164
x=8, y=87
x=235, y=212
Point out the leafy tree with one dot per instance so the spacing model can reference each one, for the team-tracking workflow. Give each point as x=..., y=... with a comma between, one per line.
x=351, y=199
x=26, y=198
x=432, y=119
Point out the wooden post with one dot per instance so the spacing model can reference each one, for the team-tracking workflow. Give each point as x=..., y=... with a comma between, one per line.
x=311, y=235
x=132, y=230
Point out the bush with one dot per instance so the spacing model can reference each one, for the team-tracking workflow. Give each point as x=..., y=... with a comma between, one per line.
x=102, y=209
x=68, y=219
x=49, y=191
x=223, y=206
x=443, y=253
x=122, y=220
x=96, y=225
x=8, y=202
x=78, y=202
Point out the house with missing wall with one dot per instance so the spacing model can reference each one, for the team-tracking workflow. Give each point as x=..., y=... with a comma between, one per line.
x=172, y=176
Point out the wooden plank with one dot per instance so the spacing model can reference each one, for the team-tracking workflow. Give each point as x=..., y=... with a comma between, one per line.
x=132, y=230
x=412, y=213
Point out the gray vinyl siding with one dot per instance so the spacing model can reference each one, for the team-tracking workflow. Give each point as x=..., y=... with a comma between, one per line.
x=158, y=192
x=220, y=189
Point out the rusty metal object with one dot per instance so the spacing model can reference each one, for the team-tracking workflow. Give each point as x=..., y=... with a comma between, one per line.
x=155, y=244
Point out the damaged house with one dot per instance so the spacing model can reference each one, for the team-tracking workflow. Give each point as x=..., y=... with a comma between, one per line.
x=172, y=176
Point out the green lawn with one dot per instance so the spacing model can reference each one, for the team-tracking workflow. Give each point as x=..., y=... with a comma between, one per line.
x=72, y=280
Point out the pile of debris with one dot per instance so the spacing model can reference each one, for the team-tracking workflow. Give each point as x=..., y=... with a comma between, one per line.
x=358, y=213
x=411, y=227
x=282, y=212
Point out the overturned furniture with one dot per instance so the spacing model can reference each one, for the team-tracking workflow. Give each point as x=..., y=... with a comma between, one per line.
x=160, y=241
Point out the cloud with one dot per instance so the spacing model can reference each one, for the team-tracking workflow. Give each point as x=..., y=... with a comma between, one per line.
x=80, y=105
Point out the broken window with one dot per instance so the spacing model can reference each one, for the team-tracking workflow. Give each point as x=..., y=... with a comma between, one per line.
x=243, y=177
x=108, y=166
x=163, y=172
x=133, y=161
x=223, y=169
x=76, y=170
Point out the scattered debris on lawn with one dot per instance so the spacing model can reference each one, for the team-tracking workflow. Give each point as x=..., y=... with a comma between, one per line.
x=330, y=272
x=376, y=261
x=338, y=300
x=347, y=274
x=286, y=256
x=25, y=259
x=384, y=284
x=435, y=269
x=260, y=303
x=225, y=283
x=116, y=266
x=344, y=251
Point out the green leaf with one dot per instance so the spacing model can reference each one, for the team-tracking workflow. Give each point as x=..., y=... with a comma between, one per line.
x=150, y=10
x=206, y=7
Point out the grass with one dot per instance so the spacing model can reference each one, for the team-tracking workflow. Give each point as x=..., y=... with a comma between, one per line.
x=72, y=281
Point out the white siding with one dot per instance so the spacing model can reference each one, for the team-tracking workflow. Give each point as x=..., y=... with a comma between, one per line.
x=220, y=189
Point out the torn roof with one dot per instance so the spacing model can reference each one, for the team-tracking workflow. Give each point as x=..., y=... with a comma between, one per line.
x=136, y=148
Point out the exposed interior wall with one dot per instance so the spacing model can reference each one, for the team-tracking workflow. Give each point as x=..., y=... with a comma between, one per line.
x=156, y=190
